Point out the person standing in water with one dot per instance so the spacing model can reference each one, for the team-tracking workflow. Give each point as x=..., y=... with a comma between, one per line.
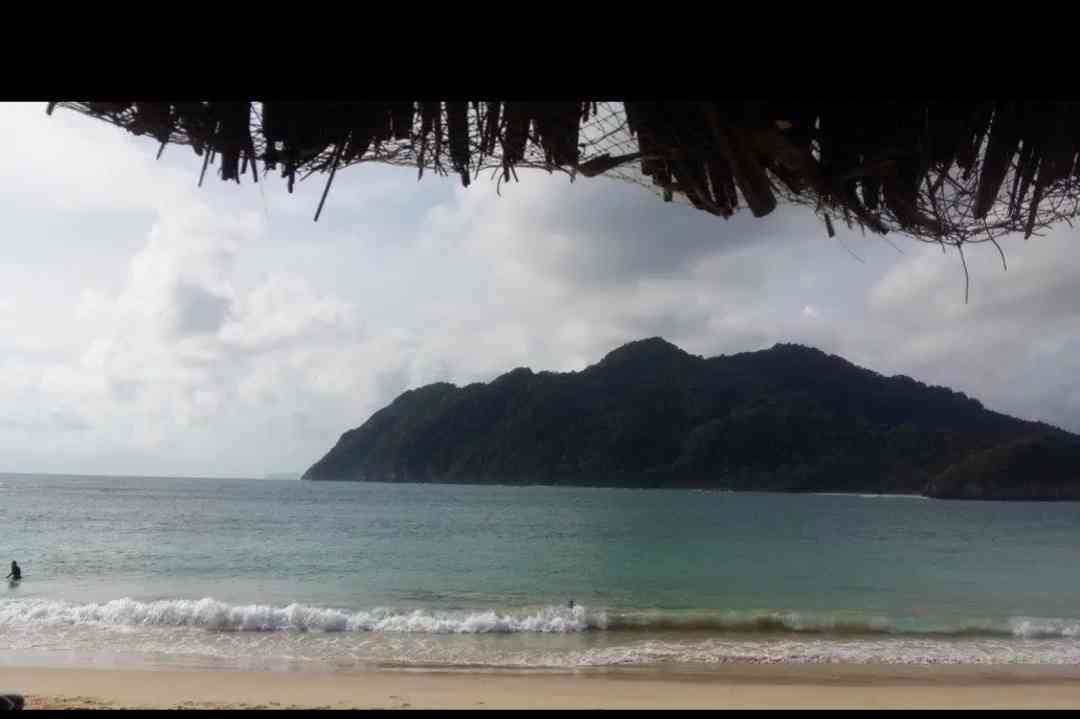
x=16, y=573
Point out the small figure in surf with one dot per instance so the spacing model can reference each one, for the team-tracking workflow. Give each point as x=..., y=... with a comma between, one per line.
x=570, y=604
x=16, y=573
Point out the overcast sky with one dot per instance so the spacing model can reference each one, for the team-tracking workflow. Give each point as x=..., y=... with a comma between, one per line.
x=151, y=327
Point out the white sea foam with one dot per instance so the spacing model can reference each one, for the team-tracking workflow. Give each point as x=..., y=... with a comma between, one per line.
x=360, y=650
x=1032, y=627
x=210, y=613
x=266, y=636
x=828, y=651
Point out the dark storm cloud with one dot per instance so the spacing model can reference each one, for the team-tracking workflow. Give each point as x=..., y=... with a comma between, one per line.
x=617, y=233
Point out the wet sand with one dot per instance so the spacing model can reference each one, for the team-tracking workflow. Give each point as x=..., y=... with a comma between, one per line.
x=742, y=686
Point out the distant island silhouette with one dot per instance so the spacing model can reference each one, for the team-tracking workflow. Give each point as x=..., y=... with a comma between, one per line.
x=790, y=418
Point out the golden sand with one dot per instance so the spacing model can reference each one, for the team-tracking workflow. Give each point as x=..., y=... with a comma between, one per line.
x=754, y=686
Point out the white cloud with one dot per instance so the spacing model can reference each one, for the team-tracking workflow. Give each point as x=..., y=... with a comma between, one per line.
x=285, y=308
x=147, y=326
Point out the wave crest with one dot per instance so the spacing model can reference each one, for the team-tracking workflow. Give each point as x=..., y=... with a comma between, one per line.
x=212, y=614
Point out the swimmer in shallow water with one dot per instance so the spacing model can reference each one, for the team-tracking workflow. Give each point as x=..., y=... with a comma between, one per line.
x=16, y=573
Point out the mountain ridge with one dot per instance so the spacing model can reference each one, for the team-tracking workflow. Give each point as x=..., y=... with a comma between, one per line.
x=648, y=414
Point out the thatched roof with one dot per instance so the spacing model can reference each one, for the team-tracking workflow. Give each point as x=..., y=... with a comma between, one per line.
x=938, y=171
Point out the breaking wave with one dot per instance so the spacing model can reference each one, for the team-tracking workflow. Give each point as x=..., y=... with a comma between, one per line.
x=212, y=614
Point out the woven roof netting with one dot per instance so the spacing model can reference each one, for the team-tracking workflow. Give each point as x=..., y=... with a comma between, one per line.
x=950, y=173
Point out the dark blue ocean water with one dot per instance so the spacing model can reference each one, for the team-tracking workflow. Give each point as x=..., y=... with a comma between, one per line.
x=289, y=574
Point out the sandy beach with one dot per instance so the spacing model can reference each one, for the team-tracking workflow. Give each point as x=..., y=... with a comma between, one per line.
x=741, y=686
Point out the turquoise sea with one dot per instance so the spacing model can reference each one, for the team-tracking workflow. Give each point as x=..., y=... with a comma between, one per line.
x=297, y=575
